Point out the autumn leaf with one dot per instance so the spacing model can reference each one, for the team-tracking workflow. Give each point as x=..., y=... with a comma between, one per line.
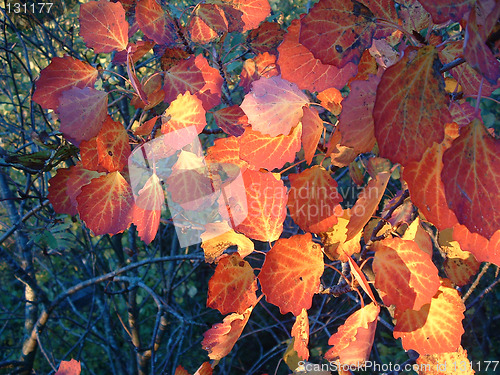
x=218, y=237
x=356, y=121
x=340, y=155
x=416, y=232
x=262, y=65
x=435, y=328
x=426, y=188
x=210, y=93
x=62, y=74
x=105, y=204
x=274, y=106
x=89, y=155
x=474, y=199
x=232, y=287
x=253, y=11
x=103, y=26
x=360, y=277
x=353, y=341
x=182, y=77
x=405, y=128
x=331, y=99
x=366, y=68
x=232, y=120
x=367, y=203
x=449, y=363
x=204, y=369
x=300, y=332
x=312, y=199
x=135, y=50
x=154, y=23
x=291, y=273
x=220, y=339
x=442, y=11
x=207, y=23
x=79, y=177
x=58, y=193
x=298, y=65
x=72, y=367
x=337, y=32
x=112, y=145
x=265, y=38
x=413, y=15
x=184, y=112
x=483, y=250
x=404, y=273
x=181, y=371
x=312, y=129
x=266, y=204
x=226, y=150
x=264, y=151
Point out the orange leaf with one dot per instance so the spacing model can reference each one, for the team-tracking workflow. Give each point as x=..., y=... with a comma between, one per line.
x=89, y=155
x=444, y=10
x=436, y=327
x=253, y=11
x=356, y=120
x=354, y=339
x=184, y=112
x=72, y=367
x=153, y=22
x=337, y=32
x=182, y=77
x=207, y=23
x=266, y=37
x=204, y=369
x=210, y=93
x=232, y=287
x=367, y=203
x=58, y=193
x=218, y=237
x=367, y=66
x=112, y=145
x=426, y=188
x=79, y=178
x=62, y=74
x=404, y=273
x=226, y=150
x=147, y=209
x=330, y=100
x=360, y=277
x=415, y=232
x=103, y=26
x=298, y=65
x=483, y=250
x=341, y=156
x=82, y=112
x=472, y=197
x=312, y=199
x=291, y=272
x=147, y=127
x=266, y=201
x=105, y=204
x=312, y=128
x=274, y=106
x=449, y=363
x=300, y=332
x=415, y=124
x=137, y=50
x=262, y=65
x=181, y=371
x=232, y=120
x=264, y=151
x=220, y=339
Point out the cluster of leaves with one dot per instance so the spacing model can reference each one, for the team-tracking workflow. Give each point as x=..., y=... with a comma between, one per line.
x=404, y=68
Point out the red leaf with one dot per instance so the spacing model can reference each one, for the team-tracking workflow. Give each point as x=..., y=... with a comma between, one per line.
x=154, y=23
x=184, y=112
x=103, y=26
x=474, y=199
x=79, y=178
x=427, y=190
x=359, y=275
x=337, y=32
x=274, y=106
x=367, y=203
x=147, y=127
x=112, y=145
x=62, y=74
x=263, y=151
x=137, y=50
x=482, y=249
x=290, y=275
x=477, y=53
x=436, y=327
x=354, y=339
x=204, y=369
x=232, y=287
x=232, y=120
x=105, y=205
x=58, y=193
x=404, y=274
x=312, y=128
x=72, y=367
x=356, y=120
x=262, y=65
x=207, y=23
x=185, y=76
x=266, y=205
x=405, y=125
x=266, y=37
x=253, y=11
x=300, y=332
x=90, y=156
x=330, y=99
x=312, y=199
x=226, y=150
x=298, y=65
x=444, y=10
x=147, y=209
x=82, y=112
x=220, y=339
x=210, y=93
